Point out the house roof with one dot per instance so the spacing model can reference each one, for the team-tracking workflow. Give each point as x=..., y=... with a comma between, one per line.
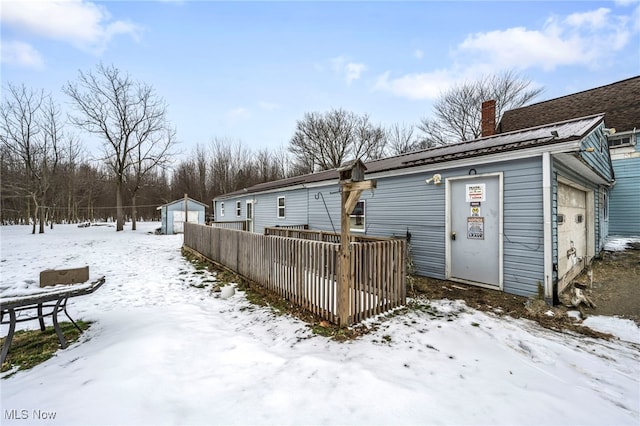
x=181, y=200
x=569, y=130
x=620, y=102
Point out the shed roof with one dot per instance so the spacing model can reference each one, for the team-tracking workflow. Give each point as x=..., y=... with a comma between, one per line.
x=181, y=200
x=569, y=130
x=619, y=101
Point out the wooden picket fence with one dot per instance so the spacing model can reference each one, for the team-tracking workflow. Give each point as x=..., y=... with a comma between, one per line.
x=240, y=225
x=306, y=272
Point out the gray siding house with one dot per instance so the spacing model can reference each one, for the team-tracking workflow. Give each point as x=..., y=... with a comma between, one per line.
x=173, y=215
x=519, y=211
x=624, y=201
x=619, y=102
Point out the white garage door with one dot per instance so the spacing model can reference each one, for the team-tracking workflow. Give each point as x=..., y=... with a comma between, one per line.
x=572, y=233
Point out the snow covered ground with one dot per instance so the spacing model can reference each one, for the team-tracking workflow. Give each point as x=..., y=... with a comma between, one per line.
x=162, y=352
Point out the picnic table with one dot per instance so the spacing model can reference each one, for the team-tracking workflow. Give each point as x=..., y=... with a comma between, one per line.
x=40, y=304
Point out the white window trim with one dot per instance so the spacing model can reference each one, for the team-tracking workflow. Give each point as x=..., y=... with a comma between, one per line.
x=238, y=208
x=283, y=207
x=364, y=218
x=222, y=209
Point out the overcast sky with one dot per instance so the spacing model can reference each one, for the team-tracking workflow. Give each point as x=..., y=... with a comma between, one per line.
x=248, y=70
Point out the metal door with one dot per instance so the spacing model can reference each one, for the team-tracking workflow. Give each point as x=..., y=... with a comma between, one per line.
x=475, y=230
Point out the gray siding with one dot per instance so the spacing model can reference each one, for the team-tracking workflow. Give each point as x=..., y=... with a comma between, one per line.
x=324, y=208
x=266, y=209
x=523, y=227
x=624, y=201
x=406, y=204
x=402, y=204
x=599, y=160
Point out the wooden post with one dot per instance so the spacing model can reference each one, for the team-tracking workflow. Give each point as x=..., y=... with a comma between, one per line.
x=350, y=195
x=345, y=261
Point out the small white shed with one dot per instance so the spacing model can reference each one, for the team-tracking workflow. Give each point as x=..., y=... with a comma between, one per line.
x=173, y=215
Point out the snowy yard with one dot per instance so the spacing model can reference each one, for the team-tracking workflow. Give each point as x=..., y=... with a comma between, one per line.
x=161, y=351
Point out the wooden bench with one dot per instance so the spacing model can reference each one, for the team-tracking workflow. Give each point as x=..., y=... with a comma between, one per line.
x=37, y=304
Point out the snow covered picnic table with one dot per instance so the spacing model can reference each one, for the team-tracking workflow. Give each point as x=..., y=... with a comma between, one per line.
x=48, y=297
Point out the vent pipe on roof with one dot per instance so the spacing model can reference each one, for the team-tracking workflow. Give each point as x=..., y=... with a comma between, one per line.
x=488, y=118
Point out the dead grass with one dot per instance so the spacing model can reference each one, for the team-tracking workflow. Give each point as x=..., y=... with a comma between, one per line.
x=32, y=347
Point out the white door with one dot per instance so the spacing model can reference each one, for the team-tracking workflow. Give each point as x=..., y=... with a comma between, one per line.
x=178, y=220
x=250, y=216
x=475, y=230
x=572, y=233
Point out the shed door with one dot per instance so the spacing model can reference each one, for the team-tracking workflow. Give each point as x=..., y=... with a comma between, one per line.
x=475, y=230
x=178, y=220
x=572, y=232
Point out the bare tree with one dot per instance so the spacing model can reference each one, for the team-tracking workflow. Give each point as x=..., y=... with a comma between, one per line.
x=457, y=112
x=325, y=141
x=153, y=144
x=31, y=132
x=401, y=138
x=129, y=117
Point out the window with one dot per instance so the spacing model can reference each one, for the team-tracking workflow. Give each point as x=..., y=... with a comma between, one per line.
x=281, y=207
x=357, y=217
x=619, y=141
x=560, y=219
x=605, y=206
x=238, y=208
x=221, y=209
x=579, y=218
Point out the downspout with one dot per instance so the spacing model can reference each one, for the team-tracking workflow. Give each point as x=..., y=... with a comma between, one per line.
x=547, y=205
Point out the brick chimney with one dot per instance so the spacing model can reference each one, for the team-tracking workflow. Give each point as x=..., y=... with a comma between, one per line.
x=488, y=119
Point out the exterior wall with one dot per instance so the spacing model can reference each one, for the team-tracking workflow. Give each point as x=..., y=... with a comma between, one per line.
x=599, y=159
x=403, y=205
x=265, y=209
x=406, y=204
x=324, y=208
x=624, y=200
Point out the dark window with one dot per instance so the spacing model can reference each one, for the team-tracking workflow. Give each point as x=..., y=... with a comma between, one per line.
x=626, y=140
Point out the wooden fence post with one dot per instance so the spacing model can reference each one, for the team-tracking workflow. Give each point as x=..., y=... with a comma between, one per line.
x=345, y=263
x=352, y=184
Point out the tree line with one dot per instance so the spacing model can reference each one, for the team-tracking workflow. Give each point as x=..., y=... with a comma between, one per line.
x=47, y=175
